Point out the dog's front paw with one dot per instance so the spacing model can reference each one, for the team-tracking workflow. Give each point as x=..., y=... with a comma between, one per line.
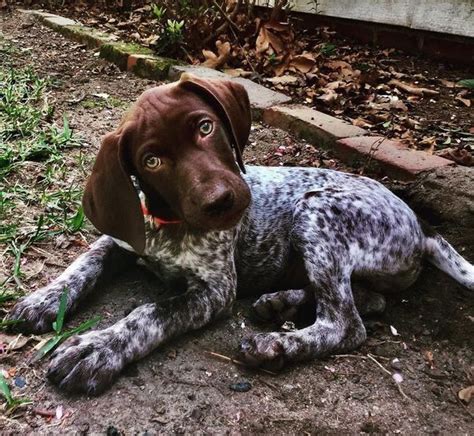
x=37, y=311
x=264, y=349
x=88, y=363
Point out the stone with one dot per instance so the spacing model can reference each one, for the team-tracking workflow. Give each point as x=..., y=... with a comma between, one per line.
x=394, y=157
x=260, y=97
x=315, y=127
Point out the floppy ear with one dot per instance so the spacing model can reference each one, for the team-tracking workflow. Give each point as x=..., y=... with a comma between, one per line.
x=231, y=102
x=110, y=200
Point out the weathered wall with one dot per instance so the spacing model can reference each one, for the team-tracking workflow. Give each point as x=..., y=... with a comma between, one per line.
x=454, y=17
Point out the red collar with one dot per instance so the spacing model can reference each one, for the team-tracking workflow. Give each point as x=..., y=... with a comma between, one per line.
x=157, y=221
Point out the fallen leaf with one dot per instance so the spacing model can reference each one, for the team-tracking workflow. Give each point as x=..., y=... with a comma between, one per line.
x=13, y=342
x=360, y=122
x=429, y=359
x=394, y=331
x=217, y=61
x=466, y=394
x=266, y=40
x=237, y=72
x=284, y=80
x=465, y=101
x=304, y=63
x=412, y=89
x=458, y=155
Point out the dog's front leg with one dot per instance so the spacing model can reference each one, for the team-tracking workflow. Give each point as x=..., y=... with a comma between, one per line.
x=90, y=362
x=39, y=309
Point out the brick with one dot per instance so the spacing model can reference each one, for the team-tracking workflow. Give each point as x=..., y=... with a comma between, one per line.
x=393, y=157
x=259, y=96
x=313, y=126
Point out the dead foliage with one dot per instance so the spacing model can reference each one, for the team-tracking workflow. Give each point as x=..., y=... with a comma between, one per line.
x=380, y=90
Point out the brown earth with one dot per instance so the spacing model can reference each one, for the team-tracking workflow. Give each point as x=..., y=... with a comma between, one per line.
x=180, y=388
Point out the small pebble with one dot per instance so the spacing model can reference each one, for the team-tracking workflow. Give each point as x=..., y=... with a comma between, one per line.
x=241, y=387
x=20, y=382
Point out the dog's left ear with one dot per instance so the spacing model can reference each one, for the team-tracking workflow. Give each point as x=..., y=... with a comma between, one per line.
x=231, y=102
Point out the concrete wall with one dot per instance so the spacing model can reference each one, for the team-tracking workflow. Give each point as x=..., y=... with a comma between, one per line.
x=455, y=17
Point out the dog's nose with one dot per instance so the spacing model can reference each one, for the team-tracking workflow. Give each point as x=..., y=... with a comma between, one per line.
x=218, y=203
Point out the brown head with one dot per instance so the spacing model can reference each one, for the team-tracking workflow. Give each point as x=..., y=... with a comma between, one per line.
x=182, y=142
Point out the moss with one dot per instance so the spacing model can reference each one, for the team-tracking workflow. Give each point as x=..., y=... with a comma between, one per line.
x=118, y=52
x=132, y=48
x=154, y=67
x=86, y=35
x=101, y=103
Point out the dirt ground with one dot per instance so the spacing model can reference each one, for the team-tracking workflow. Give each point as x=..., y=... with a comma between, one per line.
x=180, y=388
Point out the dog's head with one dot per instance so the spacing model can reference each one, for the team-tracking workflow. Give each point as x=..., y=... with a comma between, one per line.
x=181, y=141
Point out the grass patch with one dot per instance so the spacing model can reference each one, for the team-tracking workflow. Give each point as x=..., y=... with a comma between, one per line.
x=61, y=336
x=101, y=103
x=39, y=194
x=11, y=403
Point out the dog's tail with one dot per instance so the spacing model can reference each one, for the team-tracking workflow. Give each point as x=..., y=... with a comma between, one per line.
x=441, y=254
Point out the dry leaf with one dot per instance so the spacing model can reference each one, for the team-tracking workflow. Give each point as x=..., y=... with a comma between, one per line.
x=465, y=101
x=466, y=394
x=304, y=63
x=458, y=155
x=360, y=122
x=13, y=342
x=429, y=359
x=237, y=72
x=266, y=40
x=412, y=89
x=447, y=83
x=328, y=97
x=217, y=61
x=284, y=80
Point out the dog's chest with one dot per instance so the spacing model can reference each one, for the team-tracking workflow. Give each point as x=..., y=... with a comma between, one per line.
x=173, y=257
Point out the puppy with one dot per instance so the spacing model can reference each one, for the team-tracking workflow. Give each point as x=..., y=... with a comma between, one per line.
x=169, y=187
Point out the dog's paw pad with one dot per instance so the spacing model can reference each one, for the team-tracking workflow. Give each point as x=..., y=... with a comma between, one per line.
x=36, y=312
x=271, y=307
x=266, y=350
x=86, y=364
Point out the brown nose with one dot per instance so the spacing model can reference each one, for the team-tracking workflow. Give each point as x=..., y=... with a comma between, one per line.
x=219, y=202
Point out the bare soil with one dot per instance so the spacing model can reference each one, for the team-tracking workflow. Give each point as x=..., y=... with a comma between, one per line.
x=180, y=388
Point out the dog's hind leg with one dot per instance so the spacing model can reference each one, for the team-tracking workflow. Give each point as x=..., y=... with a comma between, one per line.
x=38, y=310
x=337, y=327
x=283, y=305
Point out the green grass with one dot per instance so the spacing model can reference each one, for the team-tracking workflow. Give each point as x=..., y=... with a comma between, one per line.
x=39, y=191
x=11, y=402
x=61, y=336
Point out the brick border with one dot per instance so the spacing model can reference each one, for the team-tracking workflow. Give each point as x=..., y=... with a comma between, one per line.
x=349, y=143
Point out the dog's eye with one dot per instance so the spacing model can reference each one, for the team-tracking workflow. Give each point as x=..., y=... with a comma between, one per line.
x=206, y=127
x=151, y=161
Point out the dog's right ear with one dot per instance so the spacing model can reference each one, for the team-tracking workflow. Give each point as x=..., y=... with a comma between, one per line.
x=110, y=200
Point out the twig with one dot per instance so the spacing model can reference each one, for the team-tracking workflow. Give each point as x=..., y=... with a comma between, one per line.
x=45, y=413
x=356, y=356
x=411, y=89
x=390, y=374
x=379, y=364
x=236, y=362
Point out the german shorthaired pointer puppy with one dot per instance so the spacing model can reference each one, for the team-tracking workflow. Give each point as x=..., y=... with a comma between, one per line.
x=166, y=190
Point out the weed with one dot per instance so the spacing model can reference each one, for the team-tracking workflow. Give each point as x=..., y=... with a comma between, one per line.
x=158, y=11
x=328, y=49
x=61, y=336
x=38, y=197
x=12, y=403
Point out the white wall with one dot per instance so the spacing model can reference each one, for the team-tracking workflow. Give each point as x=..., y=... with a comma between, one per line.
x=449, y=16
